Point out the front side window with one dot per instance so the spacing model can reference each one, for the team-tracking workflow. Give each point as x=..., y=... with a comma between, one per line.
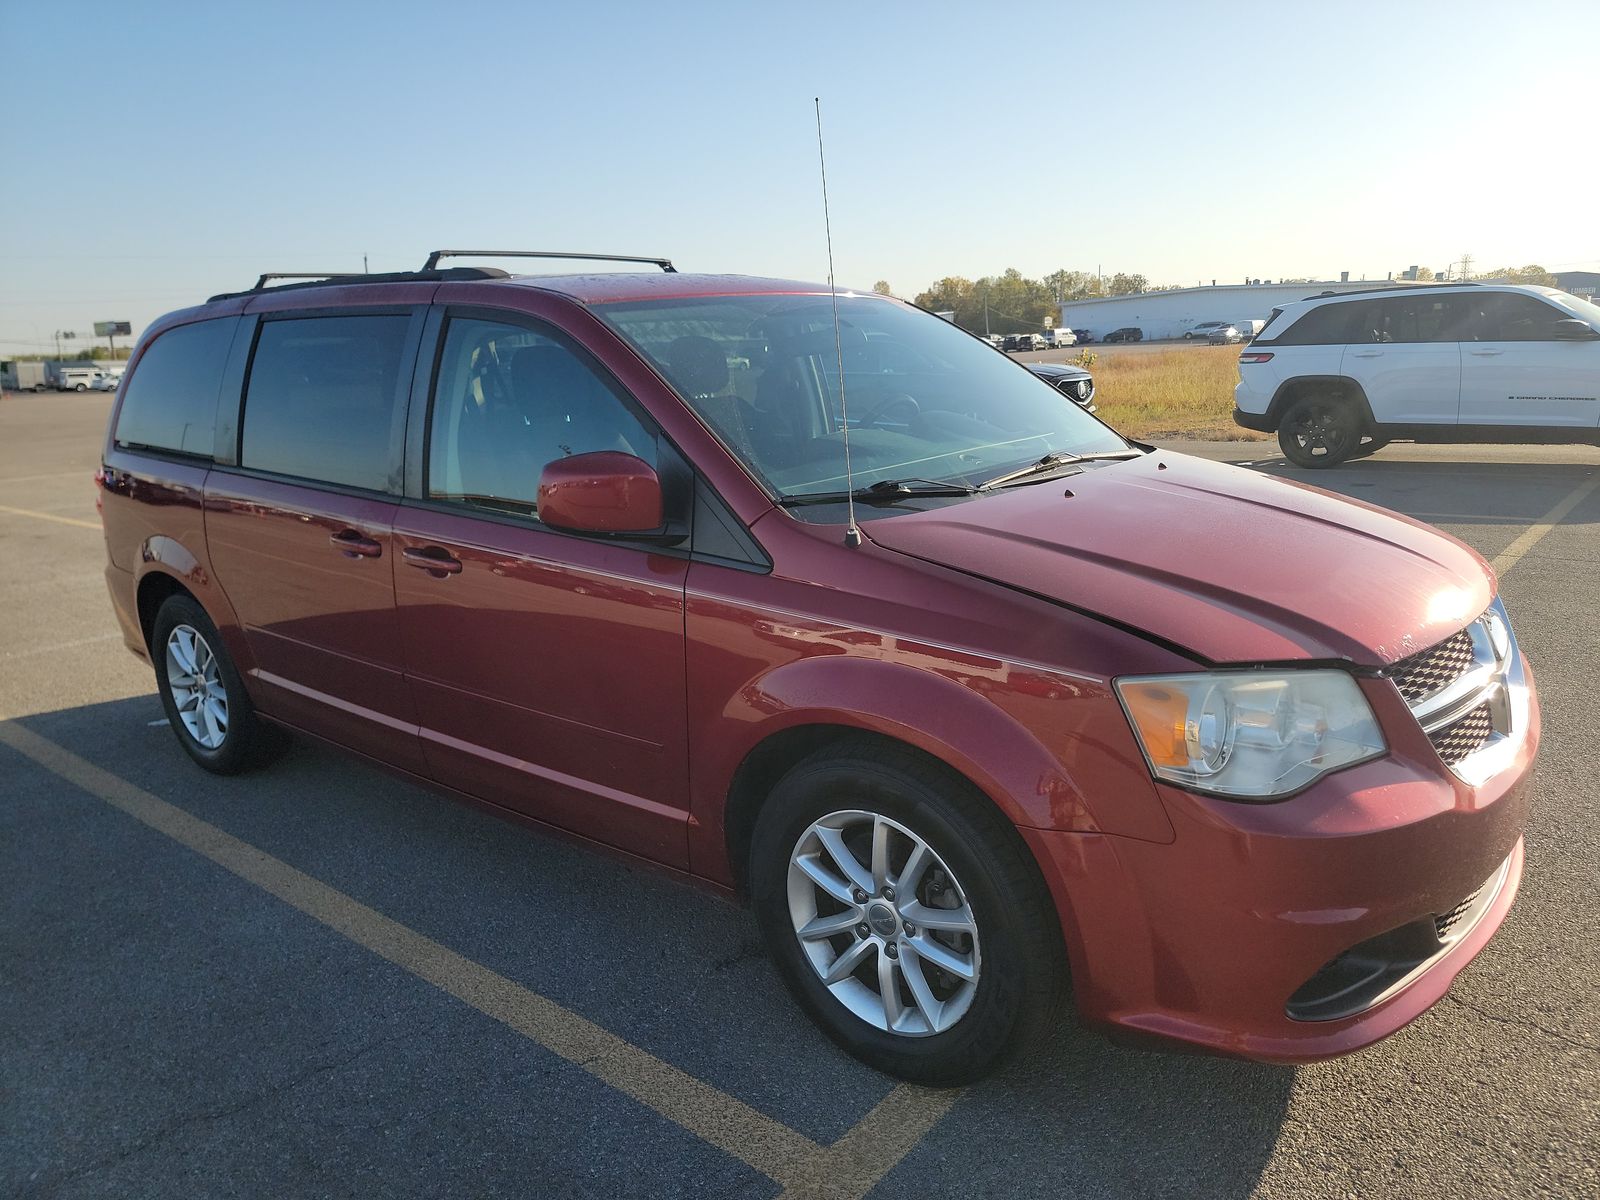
x=1509, y=317
x=925, y=400
x=171, y=399
x=324, y=400
x=509, y=400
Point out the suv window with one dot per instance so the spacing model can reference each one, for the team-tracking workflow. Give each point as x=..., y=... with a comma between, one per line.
x=1508, y=317
x=171, y=400
x=508, y=401
x=1427, y=318
x=1327, y=325
x=322, y=400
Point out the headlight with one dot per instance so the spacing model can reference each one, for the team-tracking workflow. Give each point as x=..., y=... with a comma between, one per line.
x=1248, y=733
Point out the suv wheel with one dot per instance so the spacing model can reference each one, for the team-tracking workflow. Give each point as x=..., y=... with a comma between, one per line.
x=202, y=692
x=1319, y=431
x=905, y=914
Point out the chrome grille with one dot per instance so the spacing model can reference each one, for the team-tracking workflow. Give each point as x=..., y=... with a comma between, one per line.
x=1434, y=669
x=1469, y=694
x=1461, y=738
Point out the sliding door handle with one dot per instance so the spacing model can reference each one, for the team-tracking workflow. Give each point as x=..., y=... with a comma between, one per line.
x=352, y=543
x=434, y=559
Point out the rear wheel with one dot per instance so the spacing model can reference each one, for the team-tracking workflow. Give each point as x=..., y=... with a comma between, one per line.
x=1368, y=446
x=905, y=914
x=1319, y=431
x=202, y=692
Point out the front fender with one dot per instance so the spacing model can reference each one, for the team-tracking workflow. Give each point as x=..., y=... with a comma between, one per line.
x=958, y=714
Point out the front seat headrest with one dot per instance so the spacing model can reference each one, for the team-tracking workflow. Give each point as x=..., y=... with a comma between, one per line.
x=697, y=365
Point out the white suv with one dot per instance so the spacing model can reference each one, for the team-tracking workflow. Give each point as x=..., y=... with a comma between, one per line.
x=1338, y=376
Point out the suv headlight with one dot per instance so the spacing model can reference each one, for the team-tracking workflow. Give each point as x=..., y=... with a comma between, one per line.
x=1250, y=734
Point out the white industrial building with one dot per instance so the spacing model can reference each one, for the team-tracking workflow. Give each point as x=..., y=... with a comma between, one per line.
x=1169, y=314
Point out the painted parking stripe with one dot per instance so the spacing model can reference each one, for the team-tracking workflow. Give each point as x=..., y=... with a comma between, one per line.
x=1529, y=537
x=845, y=1170
x=44, y=516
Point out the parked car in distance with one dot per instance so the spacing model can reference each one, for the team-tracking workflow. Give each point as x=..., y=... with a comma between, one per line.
x=1084, y=336
x=996, y=340
x=1060, y=339
x=989, y=706
x=1128, y=333
x=76, y=379
x=1203, y=329
x=1021, y=342
x=1249, y=329
x=1341, y=376
x=1073, y=382
x=106, y=381
x=1225, y=335
x=24, y=375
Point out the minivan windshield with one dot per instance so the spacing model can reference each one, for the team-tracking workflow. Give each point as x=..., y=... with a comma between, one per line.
x=926, y=401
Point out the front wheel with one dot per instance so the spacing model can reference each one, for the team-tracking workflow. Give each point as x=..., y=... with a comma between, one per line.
x=905, y=914
x=1319, y=431
x=202, y=692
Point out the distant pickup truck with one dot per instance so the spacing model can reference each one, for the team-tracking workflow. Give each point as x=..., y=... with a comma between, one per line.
x=77, y=379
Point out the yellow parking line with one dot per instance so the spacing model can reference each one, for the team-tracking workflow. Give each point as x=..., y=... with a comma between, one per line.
x=1512, y=554
x=44, y=516
x=847, y=1169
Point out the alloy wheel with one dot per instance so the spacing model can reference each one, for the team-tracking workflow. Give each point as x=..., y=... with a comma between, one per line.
x=195, y=679
x=884, y=923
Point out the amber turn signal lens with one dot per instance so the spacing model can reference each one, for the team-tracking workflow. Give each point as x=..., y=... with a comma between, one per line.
x=1161, y=714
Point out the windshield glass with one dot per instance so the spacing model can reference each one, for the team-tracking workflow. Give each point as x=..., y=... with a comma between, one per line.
x=925, y=399
x=1586, y=310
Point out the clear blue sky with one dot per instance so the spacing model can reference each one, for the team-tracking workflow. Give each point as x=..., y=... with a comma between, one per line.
x=154, y=153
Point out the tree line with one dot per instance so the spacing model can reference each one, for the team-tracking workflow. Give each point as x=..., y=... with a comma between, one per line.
x=1012, y=303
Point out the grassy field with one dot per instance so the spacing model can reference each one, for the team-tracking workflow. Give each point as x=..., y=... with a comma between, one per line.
x=1184, y=391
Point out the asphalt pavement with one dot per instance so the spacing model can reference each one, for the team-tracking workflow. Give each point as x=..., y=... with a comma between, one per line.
x=318, y=980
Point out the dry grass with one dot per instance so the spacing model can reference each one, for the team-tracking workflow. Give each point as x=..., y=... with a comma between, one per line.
x=1181, y=391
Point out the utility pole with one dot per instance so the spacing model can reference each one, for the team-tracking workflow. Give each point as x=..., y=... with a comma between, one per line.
x=1466, y=266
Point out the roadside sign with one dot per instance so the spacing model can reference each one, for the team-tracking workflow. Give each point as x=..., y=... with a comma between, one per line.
x=113, y=328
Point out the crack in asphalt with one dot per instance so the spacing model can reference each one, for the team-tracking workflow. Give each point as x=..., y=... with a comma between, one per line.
x=51, y=1186
x=1532, y=1026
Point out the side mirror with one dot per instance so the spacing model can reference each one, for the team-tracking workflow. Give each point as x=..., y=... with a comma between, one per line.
x=603, y=492
x=1570, y=329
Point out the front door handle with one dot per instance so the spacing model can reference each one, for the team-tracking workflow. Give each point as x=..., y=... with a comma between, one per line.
x=355, y=544
x=1485, y=353
x=1366, y=354
x=433, y=559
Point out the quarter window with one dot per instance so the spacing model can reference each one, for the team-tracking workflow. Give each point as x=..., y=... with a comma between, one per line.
x=1327, y=325
x=171, y=399
x=323, y=401
x=508, y=401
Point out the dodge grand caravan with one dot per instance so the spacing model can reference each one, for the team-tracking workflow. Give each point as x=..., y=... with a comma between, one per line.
x=999, y=700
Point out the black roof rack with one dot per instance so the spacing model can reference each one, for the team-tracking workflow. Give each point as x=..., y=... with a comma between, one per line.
x=339, y=279
x=433, y=259
x=1399, y=285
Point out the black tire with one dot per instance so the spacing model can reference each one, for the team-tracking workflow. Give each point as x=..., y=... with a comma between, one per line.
x=1370, y=446
x=247, y=741
x=1319, y=431
x=1022, y=973
x=82, y=387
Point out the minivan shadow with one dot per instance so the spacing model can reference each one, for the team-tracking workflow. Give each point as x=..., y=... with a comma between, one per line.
x=679, y=973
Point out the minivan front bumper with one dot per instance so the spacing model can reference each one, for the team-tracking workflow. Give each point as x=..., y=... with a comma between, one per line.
x=1212, y=940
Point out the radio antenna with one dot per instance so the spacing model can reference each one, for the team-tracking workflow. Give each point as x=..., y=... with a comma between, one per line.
x=852, y=532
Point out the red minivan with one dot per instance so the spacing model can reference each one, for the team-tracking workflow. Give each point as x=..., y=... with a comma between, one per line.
x=842, y=610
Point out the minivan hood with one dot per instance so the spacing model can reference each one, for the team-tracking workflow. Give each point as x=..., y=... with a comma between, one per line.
x=1227, y=564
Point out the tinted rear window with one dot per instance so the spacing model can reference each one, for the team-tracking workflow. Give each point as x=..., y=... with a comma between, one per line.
x=1326, y=325
x=322, y=402
x=170, y=402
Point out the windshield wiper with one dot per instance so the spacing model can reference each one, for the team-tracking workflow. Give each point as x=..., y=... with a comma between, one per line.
x=885, y=491
x=1054, y=461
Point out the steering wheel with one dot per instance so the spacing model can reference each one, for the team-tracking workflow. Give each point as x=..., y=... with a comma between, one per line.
x=888, y=404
